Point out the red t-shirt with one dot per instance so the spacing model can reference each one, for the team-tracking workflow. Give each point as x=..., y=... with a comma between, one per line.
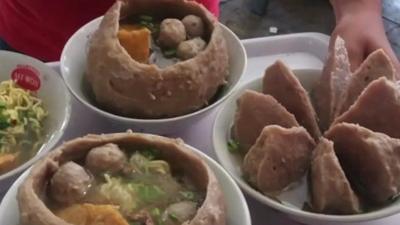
x=40, y=28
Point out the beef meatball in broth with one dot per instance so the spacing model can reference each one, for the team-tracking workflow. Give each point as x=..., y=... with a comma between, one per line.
x=190, y=48
x=172, y=32
x=70, y=183
x=194, y=26
x=105, y=158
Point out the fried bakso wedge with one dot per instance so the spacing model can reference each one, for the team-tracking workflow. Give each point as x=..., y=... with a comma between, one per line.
x=280, y=157
x=280, y=82
x=377, y=108
x=254, y=112
x=376, y=65
x=332, y=84
x=370, y=159
x=331, y=192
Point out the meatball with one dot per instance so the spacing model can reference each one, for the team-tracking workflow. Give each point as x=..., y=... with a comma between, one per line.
x=194, y=26
x=105, y=158
x=172, y=32
x=70, y=183
x=190, y=48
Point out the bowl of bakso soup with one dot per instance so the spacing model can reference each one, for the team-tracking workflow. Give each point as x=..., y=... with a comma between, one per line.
x=127, y=178
x=157, y=65
x=34, y=111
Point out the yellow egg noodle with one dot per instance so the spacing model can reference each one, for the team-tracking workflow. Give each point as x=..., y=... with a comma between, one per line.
x=21, y=117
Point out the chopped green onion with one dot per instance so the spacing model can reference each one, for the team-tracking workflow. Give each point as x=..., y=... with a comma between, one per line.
x=150, y=153
x=2, y=105
x=4, y=122
x=146, y=18
x=173, y=217
x=149, y=193
x=155, y=212
x=189, y=195
x=169, y=53
x=144, y=23
x=233, y=146
x=148, y=25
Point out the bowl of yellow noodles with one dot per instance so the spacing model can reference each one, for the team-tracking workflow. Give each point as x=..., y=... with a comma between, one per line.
x=34, y=111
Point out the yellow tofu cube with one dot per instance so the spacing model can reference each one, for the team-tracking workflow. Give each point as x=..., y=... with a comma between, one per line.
x=89, y=214
x=136, y=41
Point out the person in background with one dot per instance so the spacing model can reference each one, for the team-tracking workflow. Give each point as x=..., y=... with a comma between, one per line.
x=40, y=28
x=359, y=23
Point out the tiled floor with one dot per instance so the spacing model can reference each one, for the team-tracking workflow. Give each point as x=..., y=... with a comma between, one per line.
x=298, y=16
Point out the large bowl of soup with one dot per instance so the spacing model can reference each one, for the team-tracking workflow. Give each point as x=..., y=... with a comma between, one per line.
x=126, y=178
x=158, y=66
x=34, y=112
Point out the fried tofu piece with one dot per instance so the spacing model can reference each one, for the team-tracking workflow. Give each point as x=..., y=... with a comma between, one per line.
x=254, y=112
x=377, y=108
x=8, y=161
x=280, y=82
x=370, y=159
x=89, y=214
x=280, y=157
x=376, y=65
x=136, y=41
x=332, y=84
x=331, y=192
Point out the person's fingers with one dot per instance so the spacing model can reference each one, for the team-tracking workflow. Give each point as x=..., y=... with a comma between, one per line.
x=356, y=56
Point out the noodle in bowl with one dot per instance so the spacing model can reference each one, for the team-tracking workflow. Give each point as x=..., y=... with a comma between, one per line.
x=34, y=111
x=21, y=124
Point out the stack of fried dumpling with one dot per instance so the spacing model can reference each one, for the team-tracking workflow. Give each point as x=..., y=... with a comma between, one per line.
x=355, y=163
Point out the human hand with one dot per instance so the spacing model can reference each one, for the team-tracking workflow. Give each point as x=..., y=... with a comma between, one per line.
x=360, y=24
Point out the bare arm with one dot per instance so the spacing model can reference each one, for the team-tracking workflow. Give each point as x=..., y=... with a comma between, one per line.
x=359, y=23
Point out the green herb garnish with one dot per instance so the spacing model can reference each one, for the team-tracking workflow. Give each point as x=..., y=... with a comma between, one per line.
x=146, y=24
x=173, y=217
x=2, y=105
x=150, y=153
x=4, y=124
x=169, y=53
x=233, y=146
x=147, y=21
x=188, y=195
x=149, y=193
x=146, y=18
x=155, y=212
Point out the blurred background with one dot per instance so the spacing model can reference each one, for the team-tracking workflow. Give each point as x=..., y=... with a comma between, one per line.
x=258, y=18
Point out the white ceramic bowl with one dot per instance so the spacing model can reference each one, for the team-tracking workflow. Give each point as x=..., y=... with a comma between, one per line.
x=56, y=100
x=237, y=210
x=232, y=163
x=73, y=64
